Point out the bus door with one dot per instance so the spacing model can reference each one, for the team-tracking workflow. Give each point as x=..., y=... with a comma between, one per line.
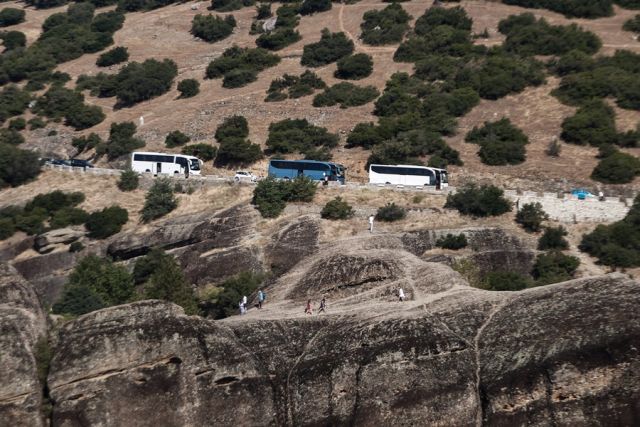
x=438, y=180
x=158, y=167
x=300, y=172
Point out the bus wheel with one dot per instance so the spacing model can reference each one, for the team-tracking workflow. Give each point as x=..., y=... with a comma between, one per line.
x=147, y=171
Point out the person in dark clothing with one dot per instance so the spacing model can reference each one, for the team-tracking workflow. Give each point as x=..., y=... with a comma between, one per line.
x=323, y=305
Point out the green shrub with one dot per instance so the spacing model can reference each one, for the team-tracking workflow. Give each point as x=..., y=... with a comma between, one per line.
x=385, y=26
x=10, y=137
x=618, y=168
x=295, y=86
x=486, y=200
x=18, y=124
x=95, y=283
x=176, y=139
x=212, y=28
x=114, y=56
x=240, y=66
x=593, y=124
x=232, y=127
x=391, y=212
x=269, y=197
x=7, y=228
x=364, y=135
x=107, y=222
x=233, y=289
x=278, y=39
x=85, y=143
x=455, y=17
x=263, y=11
x=330, y=48
x=236, y=151
x=188, y=88
x=500, y=142
x=68, y=216
x=54, y=200
x=553, y=238
x=346, y=94
x=505, y=281
x=337, y=209
x=137, y=82
x=166, y=281
x=570, y=8
x=528, y=36
x=128, y=181
x=451, y=241
x=60, y=102
x=121, y=141
x=300, y=189
x=632, y=24
x=530, y=216
x=107, y=22
x=84, y=116
x=298, y=135
x=229, y=5
x=17, y=166
x=574, y=61
x=204, y=152
x=554, y=267
x=11, y=16
x=159, y=201
x=36, y=123
x=354, y=67
x=309, y=7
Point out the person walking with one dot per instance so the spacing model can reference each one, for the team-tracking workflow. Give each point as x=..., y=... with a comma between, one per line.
x=261, y=297
x=242, y=308
x=371, y=217
x=308, y=309
x=244, y=302
x=400, y=294
x=323, y=305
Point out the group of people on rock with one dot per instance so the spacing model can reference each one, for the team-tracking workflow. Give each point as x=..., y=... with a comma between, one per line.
x=321, y=309
x=243, y=302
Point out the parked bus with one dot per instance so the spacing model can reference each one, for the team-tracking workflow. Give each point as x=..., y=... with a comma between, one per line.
x=408, y=175
x=289, y=169
x=163, y=163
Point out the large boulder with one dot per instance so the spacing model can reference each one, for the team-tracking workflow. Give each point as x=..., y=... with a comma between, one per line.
x=22, y=325
x=55, y=239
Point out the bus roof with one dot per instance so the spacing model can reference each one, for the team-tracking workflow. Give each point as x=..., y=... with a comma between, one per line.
x=164, y=154
x=409, y=166
x=303, y=160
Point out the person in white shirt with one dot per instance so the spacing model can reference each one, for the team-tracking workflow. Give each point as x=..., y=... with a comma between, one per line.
x=371, y=217
x=400, y=294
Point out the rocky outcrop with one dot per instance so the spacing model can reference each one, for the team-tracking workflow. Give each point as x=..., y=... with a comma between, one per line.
x=22, y=323
x=47, y=273
x=56, y=239
x=291, y=243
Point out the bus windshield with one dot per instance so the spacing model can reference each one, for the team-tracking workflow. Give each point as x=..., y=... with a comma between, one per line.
x=443, y=177
x=195, y=164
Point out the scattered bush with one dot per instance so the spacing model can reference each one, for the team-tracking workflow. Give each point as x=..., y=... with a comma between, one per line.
x=554, y=267
x=137, y=82
x=212, y=28
x=237, y=152
x=345, y=94
x=385, y=26
x=486, y=200
x=618, y=168
x=230, y=5
x=176, y=139
x=159, y=201
x=632, y=24
x=232, y=127
x=278, y=39
x=553, y=149
x=451, y=241
x=17, y=124
x=337, y=209
x=298, y=135
x=528, y=36
x=263, y=11
x=553, y=238
x=114, y=56
x=13, y=101
x=188, y=88
x=295, y=86
x=530, y=216
x=590, y=9
x=67, y=216
x=500, y=142
x=128, y=181
x=455, y=17
x=300, y=189
x=391, y=212
x=107, y=222
x=121, y=141
x=309, y=7
x=60, y=102
x=270, y=196
x=13, y=40
x=593, y=124
x=166, y=281
x=11, y=16
x=36, y=123
x=354, y=67
x=240, y=66
x=85, y=143
x=330, y=48
x=10, y=137
x=17, y=166
x=204, y=152
x=76, y=247
x=95, y=283
x=506, y=281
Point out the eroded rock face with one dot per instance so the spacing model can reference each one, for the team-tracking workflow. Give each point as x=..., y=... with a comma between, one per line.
x=22, y=323
x=566, y=353
x=55, y=239
x=291, y=244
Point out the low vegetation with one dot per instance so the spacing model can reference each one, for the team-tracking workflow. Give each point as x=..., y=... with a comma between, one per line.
x=129, y=180
x=298, y=136
x=284, y=33
x=531, y=216
x=159, y=201
x=59, y=102
x=336, y=209
x=480, y=201
x=11, y=16
x=354, y=67
x=346, y=95
x=188, y=88
x=270, y=196
x=572, y=8
x=330, y=48
x=553, y=238
x=121, y=141
x=230, y=5
x=309, y=7
x=212, y=28
x=501, y=143
x=386, y=26
x=17, y=166
x=176, y=139
x=114, y=56
x=506, y=281
x=554, y=267
x=617, y=244
x=390, y=213
x=594, y=123
x=617, y=168
x=240, y=66
x=107, y=222
x=452, y=241
x=632, y=24
x=204, y=152
x=235, y=149
x=291, y=86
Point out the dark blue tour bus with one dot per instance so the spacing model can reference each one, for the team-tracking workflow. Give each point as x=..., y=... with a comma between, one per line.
x=289, y=169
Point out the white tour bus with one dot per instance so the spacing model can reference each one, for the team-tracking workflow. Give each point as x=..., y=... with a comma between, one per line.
x=408, y=175
x=157, y=163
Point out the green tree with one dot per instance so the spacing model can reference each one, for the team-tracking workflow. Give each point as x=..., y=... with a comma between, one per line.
x=204, y=152
x=128, y=181
x=330, y=48
x=500, y=142
x=114, y=56
x=11, y=16
x=486, y=200
x=17, y=166
x=530, y=217
x=232, y=127
x=237, y=152
x=175, y=139
x=309, y=7
x=506, y=281
x=337, y=209
x=269, y=197
x=233, y=289
x=553, y=238
x=618, y=168
x=554, y=267
x=452, y=241
x=121, y=140
x=354, y=67
x=385, y=26
x=212, y=28
x=390, y=212
x=107, y=222
x=78, y=300
x=188, y=88
x=159, y=201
